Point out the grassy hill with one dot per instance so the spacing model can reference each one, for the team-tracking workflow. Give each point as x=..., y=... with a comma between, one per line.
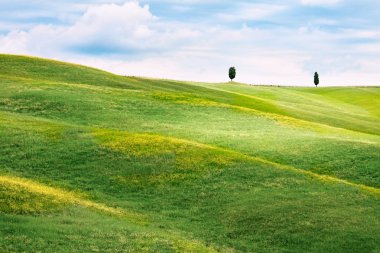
x=91, y=161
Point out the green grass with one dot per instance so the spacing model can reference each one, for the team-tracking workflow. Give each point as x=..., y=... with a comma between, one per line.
x=91, y=161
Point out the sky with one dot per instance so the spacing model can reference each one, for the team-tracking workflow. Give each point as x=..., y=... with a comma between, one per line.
x=269, y=42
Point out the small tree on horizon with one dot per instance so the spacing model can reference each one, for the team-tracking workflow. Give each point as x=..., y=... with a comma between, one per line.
x=232, y=73
x=316, y=79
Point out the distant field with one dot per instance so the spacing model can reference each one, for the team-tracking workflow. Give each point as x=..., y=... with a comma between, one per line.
x=91, y=161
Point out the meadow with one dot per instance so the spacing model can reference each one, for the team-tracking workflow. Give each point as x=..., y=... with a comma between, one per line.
x=95, y=162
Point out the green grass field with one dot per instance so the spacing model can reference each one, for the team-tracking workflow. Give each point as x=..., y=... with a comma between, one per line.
x=94, y=162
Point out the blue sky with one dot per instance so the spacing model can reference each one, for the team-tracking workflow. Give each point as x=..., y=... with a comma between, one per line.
x=269, y=42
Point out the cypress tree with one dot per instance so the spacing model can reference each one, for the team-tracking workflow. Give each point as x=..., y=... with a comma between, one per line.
x=316, y=79
x=232, y=73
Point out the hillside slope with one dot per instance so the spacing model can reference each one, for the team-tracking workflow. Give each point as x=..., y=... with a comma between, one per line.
x=91, y=161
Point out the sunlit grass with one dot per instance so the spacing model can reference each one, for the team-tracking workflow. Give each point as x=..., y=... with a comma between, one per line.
x=90, y=161
x=52, y=195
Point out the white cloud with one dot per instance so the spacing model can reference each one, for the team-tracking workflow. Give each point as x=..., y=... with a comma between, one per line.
x=112, y=27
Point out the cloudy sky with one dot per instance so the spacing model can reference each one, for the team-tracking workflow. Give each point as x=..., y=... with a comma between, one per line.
x=269, y=42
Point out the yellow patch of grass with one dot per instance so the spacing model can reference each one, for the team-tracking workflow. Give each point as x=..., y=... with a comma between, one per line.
x=190, y=154
x=188, y=246
x=140, y=145
x=18, y=200
x=194, y=157
x=186, y=159
x=137, y=145
x=58, y=197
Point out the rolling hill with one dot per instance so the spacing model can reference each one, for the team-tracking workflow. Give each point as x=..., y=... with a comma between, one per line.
x=91, y=161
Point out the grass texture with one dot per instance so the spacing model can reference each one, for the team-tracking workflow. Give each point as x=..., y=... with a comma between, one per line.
x=94, y=162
